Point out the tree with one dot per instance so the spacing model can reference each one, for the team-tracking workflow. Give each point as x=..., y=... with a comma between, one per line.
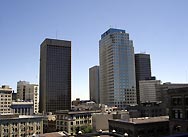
x=84, y=129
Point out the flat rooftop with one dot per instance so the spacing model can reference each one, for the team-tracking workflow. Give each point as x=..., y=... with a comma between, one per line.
x=143, y=120
x=17, y=116
x=76, y=112
x=53, y=134
x=22, y=103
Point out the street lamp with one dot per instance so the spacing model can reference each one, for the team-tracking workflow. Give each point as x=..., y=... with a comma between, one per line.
x=113, y=131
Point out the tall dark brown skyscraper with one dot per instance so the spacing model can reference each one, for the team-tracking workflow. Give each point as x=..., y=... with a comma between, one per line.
x=142, y=69
x=94, y=84
x=55, y=75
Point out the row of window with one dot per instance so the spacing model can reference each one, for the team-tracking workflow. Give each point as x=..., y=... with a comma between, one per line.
x=178, y=114
x=5, y=99
x=5, y=95
x=75, y=117
x=82, y=122
x=179, y=101
x=3, y=110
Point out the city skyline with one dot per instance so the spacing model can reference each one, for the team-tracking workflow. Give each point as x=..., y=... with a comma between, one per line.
x=158, y=28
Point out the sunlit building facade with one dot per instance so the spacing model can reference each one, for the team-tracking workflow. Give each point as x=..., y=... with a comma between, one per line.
x=117, y=69
x=5, y=99
x=14, y=125
x=148, y=90
x=28, y=92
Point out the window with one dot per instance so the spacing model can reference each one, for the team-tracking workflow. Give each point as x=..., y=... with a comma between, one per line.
x=176, y=101
x=186, y=101
x=177, y=114
x=186, y=113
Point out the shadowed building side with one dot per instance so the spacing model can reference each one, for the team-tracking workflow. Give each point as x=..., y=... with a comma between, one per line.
x=142, y=70
x=55, y=75
x=94, y=84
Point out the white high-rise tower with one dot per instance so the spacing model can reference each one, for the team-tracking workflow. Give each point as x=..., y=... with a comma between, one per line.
x=117, y=69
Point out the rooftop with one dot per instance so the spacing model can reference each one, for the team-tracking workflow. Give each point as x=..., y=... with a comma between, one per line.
x=75, y=112
x=17, y=116
x=5, y=88
x=112, y=30
x=143, y=120
x=56, y=42
x=182, y=90
x=22, y=103
x=53, y=134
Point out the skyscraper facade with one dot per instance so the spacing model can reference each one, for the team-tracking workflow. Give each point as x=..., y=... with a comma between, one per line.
x=148, y=90
x=94, y=84
x=28, y=92
x=55, y=75
x=117, y=69
x=143, y=70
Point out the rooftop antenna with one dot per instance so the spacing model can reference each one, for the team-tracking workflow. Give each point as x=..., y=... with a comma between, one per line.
x=186, y=75
x=116, y=26
x=56, y=34
x=110, y=26
x=143, y=52
x=36, y=77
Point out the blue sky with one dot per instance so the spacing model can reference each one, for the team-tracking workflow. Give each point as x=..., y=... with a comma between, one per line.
x=156, y=27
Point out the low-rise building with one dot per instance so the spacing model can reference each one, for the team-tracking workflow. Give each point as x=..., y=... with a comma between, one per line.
x=49, y=123
x=148, y=90
x=141, y=127
x=28, y=92
x=152, y=109
x=163, y=92
x=100, y=120
x=178, y=110
x=5, y=99
x=73, y=121
x=147, y=109
x=106, y=108
x=83, y=105
x=14, y=125
x=22, y=107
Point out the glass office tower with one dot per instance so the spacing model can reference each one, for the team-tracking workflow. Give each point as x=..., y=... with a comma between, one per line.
x=117, y=69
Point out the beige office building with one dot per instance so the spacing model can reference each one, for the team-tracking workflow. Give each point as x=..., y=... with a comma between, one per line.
x=5, y=99
x=73, y=121
x=13, y=125
x=28, y=92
